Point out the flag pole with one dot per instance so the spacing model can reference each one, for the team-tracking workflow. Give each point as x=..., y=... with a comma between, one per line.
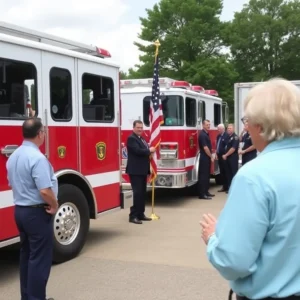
x=153, y=215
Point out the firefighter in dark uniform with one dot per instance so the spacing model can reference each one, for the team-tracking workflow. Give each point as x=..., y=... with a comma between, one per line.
x=205, y=161
x=231, y=156
x=221, y=144
x=248, y=151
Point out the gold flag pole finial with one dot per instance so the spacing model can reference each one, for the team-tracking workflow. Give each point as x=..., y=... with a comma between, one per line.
x=157, y=45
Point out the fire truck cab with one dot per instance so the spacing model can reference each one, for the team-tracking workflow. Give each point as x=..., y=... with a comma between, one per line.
x=76, y=94
x=184, y=108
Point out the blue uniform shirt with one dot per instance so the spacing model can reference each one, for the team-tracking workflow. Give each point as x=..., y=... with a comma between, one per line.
x=204, y=141
x=257, y=240
x=29, y=171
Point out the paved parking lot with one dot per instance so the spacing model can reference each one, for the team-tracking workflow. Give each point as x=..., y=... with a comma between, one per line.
x=162, y=260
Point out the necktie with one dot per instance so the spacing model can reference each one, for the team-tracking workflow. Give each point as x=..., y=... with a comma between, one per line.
x=219, y=144
x=144, y=142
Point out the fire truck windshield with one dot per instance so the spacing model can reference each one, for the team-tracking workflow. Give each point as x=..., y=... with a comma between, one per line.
x=172, y=107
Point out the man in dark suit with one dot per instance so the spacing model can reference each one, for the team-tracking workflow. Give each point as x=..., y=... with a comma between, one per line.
x=138, y=168
x=221, y=144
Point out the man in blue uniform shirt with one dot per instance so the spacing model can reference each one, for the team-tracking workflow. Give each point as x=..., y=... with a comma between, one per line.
x=34, y=187
x=231, y=156
x=221, y=146
x=205, y=161
x=248, y=150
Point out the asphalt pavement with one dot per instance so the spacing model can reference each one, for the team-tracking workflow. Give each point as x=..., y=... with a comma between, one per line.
x=161, y=260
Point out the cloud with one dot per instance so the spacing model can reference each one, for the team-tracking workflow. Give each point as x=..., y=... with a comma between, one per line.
x=119, y=42
x=92, y=22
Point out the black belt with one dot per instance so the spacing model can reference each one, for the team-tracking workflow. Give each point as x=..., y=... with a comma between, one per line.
x=268, y=298
x=42, y=205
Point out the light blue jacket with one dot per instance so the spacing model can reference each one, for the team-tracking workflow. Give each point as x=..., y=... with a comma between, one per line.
x=257, y=242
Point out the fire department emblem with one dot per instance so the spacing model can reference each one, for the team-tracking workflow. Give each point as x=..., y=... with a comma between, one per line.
x=101, y=150
x=61, y=150
x=191, y=139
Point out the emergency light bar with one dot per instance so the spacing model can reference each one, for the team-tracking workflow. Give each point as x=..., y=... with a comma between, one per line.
x=198, y=88
x=181, y=84
x=145, y=82
x=212, y=93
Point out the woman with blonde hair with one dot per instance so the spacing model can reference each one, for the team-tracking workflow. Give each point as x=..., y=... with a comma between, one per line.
x=255, y=243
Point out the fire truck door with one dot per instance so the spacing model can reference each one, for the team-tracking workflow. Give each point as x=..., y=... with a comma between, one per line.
x=61, y=110
x=99, y=131
x=20, y=85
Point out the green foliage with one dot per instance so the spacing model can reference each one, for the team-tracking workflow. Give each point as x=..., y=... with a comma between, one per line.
x=86, y=96
x=264, y=40
x=261, y=42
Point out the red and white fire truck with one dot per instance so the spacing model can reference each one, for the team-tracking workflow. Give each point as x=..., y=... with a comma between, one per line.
x=184, y=108
x=76, y=93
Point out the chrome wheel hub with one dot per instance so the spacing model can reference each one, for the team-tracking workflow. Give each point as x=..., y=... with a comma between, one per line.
x=66, y=223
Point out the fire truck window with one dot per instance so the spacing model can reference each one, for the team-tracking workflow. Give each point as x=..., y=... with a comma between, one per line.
x=18, y=89
x=97, y=98
x=60, y=94
x=190, y=112
x=203, y=110
x=172, y=107
x=217, y=114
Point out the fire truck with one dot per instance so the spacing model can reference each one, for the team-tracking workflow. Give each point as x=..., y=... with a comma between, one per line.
x=184, y=108
x=76, y=93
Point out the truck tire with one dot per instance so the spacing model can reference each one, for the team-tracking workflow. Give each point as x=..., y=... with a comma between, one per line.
x=71, y=223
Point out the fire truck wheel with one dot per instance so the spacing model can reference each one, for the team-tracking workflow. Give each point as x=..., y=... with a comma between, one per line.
x=71, y=223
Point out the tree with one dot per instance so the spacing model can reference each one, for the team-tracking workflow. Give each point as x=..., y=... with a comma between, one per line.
x=264, y=40
x=191, y=46
x=186, y=29
x=123, y=75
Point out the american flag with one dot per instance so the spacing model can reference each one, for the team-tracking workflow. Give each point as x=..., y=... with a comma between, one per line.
x=156, y=119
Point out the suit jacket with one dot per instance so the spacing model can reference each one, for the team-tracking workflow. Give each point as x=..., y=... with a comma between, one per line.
x=138, y=162
x=223, y=143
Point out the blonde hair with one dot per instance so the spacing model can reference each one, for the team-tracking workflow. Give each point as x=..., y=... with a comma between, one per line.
x=275, y=106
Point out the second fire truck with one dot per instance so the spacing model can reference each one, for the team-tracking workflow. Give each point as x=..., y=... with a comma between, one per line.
x=184, y=108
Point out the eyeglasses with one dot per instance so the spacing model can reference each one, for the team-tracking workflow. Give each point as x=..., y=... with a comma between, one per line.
x=244, y=120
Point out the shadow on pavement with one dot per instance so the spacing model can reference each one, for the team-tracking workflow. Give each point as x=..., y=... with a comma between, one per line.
x=9, y=262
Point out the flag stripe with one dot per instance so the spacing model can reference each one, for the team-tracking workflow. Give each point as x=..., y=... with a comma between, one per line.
x=156, y=119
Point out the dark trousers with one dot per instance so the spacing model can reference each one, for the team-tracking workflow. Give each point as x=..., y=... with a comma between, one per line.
x=36, y=234
x=204, y=174
x=139, y=188
x=246, y=158
x=222, y=167
x=231, y=167
x=269, y=298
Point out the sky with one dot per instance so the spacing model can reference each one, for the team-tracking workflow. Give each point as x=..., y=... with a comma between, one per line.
x=110, y=24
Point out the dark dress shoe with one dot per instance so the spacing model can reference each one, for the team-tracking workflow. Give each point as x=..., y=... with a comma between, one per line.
x=144, y=218
x=210, y=195
x=50, y=299
x=205, y=197
x=135, y=221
